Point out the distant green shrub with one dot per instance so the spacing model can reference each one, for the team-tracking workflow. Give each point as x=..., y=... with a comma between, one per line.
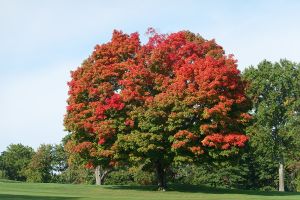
x=3, y=174
x=223, y=175
x=75, y=175
x=119, y=177
x=143, y=177
x=130, y=176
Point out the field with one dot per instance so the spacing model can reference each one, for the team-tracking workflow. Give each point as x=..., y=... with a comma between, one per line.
x=35, y=191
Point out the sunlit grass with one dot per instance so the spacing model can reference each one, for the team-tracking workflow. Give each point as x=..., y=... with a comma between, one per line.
x=35, y=191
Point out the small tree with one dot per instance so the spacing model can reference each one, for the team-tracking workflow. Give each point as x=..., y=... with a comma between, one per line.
x=40, y=167
x=75, y=172
x=59, y=158
x=14, y=160
x=275, y=91
x=176, y=98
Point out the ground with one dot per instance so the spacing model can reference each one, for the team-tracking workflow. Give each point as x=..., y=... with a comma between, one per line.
x=44, y=191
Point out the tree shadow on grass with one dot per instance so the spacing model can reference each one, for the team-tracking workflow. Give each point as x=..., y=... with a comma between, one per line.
x=30, y=197
x=204, y=189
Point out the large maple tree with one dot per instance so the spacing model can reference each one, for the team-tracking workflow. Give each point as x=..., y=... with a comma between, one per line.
x=177, y=98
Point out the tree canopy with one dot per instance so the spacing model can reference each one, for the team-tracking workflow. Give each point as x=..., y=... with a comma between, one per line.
x=275, y=91
x=177, y=98
x=14, y=161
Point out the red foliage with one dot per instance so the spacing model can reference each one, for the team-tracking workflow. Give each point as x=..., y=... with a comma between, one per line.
x=186, y=135
x=101, y=141
x=129, y=122
x=225, y=141
x=123, y=75
x=82, y=146
x=89, y=165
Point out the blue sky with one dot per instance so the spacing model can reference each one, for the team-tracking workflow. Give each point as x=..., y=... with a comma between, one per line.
x=41, y=41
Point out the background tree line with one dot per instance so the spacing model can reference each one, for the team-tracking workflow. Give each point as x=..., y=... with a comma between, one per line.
x=49, y=163
x=271, y=160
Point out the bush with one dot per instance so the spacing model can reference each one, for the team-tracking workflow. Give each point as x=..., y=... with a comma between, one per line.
x=143, y=177
x=75, y=175
x=119, y=177
x=3, y=174
x=220, y=175
x=129, y=176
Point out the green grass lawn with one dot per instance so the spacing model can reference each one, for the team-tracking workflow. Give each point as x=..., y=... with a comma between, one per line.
x=35, y=191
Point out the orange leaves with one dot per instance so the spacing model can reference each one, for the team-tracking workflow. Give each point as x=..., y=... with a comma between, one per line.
x=89, y=165
x=225, y=141
x=236, y=139
x=129, y=122
x=179, y=144
x=182, y=138
x=179, y=86
x=212, y=140
x=121, y=47
x=114, y=102
x=101, y=141
x=186, y=140
x=82, y=146
x=197, y=150
x=184, y=134
x=105, y=130
x=245, y=117
x=106, y=153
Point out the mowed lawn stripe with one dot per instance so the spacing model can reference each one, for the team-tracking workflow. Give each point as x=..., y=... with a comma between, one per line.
x=50, y=191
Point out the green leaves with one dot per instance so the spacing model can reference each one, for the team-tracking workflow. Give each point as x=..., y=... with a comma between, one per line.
x=176, y=98
x=275, y=91
x=14, y=160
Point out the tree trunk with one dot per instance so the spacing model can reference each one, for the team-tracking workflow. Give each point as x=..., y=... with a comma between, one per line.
x=161, y=176
x=98, y=175
x=281, y=175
